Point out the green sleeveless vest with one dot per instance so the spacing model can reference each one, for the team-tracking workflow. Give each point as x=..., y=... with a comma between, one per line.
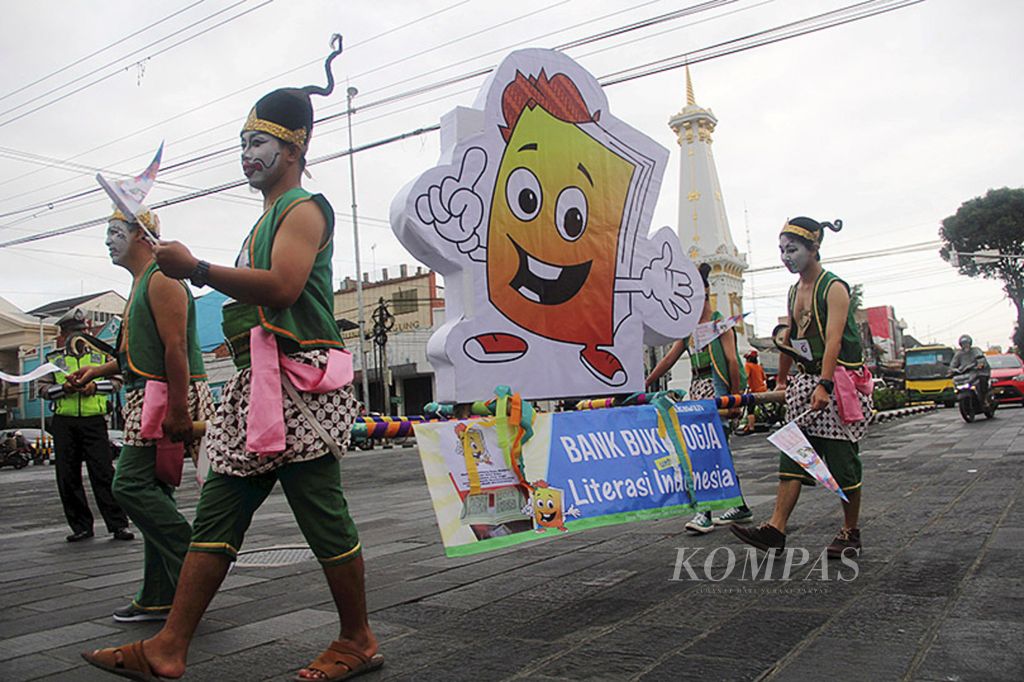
x=850, y=352
x=713, y=355
x=76, y=404
x=140, y=348
x=309, y=322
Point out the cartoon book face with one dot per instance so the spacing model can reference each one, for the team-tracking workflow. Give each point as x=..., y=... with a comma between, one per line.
x=555, y=219
x=547, y=508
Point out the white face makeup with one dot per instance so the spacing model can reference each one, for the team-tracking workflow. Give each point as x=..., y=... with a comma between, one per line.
x=796, y=256
x=118, y=241
x=260, y=155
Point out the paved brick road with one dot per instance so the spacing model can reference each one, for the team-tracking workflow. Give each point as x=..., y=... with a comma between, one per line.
x=938, y=595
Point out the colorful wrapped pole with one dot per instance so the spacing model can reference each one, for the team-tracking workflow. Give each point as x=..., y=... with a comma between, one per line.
x=634, y=399
x=735, y=400
x=385, y=427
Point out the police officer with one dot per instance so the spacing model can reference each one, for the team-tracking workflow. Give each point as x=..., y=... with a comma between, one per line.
x=79, y=430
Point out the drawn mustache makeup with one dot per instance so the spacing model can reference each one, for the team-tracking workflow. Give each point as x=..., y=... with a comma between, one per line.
x=260, y=153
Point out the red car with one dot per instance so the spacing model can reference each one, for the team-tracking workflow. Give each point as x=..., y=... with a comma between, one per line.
x=1007, y=378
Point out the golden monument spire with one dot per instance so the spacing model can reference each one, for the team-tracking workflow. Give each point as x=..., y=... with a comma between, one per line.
x=689, y=88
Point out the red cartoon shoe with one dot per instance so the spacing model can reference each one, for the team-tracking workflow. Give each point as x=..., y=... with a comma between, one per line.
x=495, y=347
x=603, y=365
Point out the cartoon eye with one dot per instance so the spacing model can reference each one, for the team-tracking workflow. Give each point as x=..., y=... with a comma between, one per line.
x=571, y=213
x=522, y=191
x=551, y=504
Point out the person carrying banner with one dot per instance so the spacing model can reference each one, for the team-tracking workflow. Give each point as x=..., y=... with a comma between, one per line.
x=716, y=371
x=822, y=339
x=79, y=428
x=158, y=343
x=283, y=336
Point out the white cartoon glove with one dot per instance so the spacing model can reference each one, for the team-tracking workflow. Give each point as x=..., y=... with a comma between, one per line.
x=573, y=512
x=453, y=207
x=671, y=288
x=527, y=508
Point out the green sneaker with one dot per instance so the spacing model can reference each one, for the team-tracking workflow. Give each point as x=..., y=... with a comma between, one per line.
x=735, y=515
x=701, y=523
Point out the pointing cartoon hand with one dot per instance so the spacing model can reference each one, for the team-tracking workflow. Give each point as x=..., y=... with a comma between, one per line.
x=453, y=207
x=671, y=288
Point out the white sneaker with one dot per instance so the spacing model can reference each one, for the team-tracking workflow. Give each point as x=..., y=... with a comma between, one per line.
x=701, y=523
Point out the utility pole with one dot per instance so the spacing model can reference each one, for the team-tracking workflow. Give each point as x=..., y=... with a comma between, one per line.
x=383, y=321
x=361, y=319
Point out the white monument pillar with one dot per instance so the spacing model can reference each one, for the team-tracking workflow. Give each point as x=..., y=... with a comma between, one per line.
x=703, y=225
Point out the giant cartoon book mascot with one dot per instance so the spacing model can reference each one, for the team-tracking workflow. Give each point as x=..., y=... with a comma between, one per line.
x=537, y=215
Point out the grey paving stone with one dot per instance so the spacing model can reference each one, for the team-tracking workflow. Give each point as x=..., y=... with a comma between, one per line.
x=849, y=660
x=132, y=576
x=35, y=642
x=253, y=634
x=986, y=598
x=975, y=649
x=592, y=663
x=32, y=667
x=693, y=666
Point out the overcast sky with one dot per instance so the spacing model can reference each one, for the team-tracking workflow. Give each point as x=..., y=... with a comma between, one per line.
x=889, y=123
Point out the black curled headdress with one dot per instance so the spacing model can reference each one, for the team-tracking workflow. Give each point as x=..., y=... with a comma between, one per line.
x=287, y=113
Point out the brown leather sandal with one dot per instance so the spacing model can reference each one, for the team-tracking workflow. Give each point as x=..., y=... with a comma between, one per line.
x=133, y=664
x=342, y=661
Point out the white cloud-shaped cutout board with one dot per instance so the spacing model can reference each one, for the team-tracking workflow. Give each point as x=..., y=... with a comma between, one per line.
x=538, y=214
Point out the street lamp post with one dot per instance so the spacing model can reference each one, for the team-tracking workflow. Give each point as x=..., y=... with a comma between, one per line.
x=42, y=402
x=352, y=92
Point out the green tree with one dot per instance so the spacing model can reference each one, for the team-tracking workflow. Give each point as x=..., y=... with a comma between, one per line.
x=992, y=222
x=856, y=297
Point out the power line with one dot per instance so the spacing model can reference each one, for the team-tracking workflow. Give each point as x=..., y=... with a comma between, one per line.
x=230, y=147
x=218, y=188
x=119, y=70
x=100, y=51
x=833, y=19
x=891, y=251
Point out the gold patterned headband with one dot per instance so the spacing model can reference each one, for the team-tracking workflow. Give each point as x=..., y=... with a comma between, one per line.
x=253, y=123
x=813, y=237
x=148, y=219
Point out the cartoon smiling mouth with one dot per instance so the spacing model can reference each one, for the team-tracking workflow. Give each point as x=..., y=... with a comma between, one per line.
x=547, y=518
x=546, y=283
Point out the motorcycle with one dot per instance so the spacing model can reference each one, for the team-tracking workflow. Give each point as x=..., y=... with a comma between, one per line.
x=969, y=400
x=15, y=452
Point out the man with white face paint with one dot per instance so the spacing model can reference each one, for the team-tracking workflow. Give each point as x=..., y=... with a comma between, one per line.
x=158, y=344
x=822, y=338
x=286, y=415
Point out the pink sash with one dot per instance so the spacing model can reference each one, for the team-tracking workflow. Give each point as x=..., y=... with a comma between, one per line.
x=265, y=428
x=170, y=456
x=847, y=384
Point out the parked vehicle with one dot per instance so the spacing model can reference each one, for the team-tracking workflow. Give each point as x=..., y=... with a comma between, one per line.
x=927, y=375
x=1007, y=378
x=969, y=399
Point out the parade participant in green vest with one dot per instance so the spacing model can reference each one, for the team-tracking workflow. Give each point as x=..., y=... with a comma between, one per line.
x=282, y=289
x=79, y=428
x=158, y=343
x=822, y=340
x=716, y=370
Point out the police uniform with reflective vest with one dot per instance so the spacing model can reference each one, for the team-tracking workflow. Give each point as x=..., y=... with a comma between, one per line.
x=834, y=441
x=79, y=430
x=306, y=332
x=150, y=502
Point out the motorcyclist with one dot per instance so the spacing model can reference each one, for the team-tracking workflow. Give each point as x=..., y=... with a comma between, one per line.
x=971, y=362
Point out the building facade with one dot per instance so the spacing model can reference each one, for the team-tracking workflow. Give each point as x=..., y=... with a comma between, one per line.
x=417, y=306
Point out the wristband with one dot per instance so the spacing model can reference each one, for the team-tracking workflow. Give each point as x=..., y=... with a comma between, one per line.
x=200, y=275
x=827, y=384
